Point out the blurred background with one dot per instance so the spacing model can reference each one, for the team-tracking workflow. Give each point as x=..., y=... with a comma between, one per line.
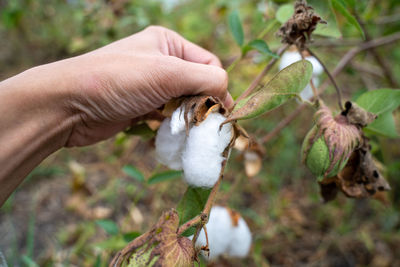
x=82, y=205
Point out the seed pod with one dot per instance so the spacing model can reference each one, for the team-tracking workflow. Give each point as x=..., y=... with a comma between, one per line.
x=329, y=144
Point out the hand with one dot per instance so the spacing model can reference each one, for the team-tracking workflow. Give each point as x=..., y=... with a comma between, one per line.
x=136, y=75
x=88, y=98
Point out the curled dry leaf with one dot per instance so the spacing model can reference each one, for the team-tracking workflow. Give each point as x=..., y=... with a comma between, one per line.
x=298, y=29
x=286, y=84
x=357, y=115
x=161, y=246
x=195, y=108
x=360, y=178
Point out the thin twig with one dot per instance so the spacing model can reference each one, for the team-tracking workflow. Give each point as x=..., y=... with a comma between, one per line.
x=338, y=91
x=196, y=220
x=259, y=77
x=339, y=67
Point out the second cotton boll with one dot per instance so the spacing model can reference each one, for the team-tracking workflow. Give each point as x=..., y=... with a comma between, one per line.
x=291, y=57
x=226, y=235
x=202, y=156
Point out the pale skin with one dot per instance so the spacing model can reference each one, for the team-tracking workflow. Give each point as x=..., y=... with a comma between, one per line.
x=82, y=100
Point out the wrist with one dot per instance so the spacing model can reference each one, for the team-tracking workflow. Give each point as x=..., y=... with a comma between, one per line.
x=34, y=122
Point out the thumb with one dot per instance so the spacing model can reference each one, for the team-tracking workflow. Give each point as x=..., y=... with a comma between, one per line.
x=200, y=79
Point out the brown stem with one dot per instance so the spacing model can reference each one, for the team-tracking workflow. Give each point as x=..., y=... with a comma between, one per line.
x=338, y=91
x=378, y=58
x=339, y=67
x=259, y=77
x=196, y=220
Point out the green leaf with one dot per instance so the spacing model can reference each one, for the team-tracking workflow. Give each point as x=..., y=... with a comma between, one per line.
x=191, y=205
x=114, y=243
x=28, y=261
x=340, y=7
x=164, y=176
x=325, y=11
x=128, y=237
x=286, y=84
x=383, y=125
x=284, y=13
x=261, y=46
x=235, y=25
x=133, y=173
x=109, y=226
x=379, y=101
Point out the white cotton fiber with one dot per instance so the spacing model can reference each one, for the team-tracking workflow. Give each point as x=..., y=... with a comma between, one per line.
x=178, y=123
x=223, y=236
x=291, y=57
x=202, y=155
x=219, y=232
x=241, y=240
x=169, y=146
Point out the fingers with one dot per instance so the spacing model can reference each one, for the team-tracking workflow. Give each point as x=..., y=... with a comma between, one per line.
x=188, y=78
x=177, y=46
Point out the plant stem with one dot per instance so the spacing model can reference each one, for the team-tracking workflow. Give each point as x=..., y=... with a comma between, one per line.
x=259, y=77
x=338, y=91
x=233, y=64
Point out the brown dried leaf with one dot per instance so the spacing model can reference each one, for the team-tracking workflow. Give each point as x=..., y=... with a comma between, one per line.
x=161, y=246
x=357, y=115
x=171, y=106
x=360, y=178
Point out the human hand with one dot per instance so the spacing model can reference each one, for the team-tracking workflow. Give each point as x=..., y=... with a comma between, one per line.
x=133, y=76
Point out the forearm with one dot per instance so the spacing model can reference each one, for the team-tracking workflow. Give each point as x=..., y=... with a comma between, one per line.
x=33, y=122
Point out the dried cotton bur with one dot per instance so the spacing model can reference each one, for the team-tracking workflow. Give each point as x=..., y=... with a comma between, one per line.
x=252, y=154
x=194, y=140
x=227, y=234
x=160, y=246
x=337, y=152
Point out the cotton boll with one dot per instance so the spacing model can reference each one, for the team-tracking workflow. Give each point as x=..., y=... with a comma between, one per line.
x=307, y=92
x=317, y=67
x=169, y=146
x=219, y=232
x=202, y=155
x=178, y=123
x=241, y=240
x=289, y=58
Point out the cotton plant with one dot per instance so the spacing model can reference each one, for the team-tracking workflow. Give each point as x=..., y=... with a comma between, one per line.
x=197, y=134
